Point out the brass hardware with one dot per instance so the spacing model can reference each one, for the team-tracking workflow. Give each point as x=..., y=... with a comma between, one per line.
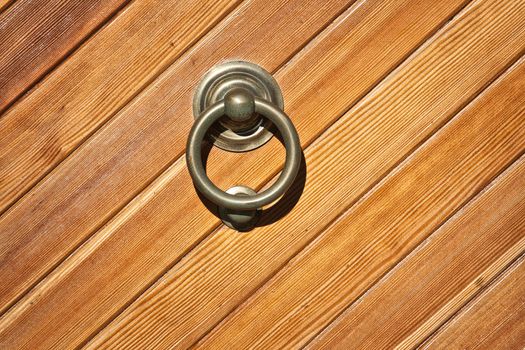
x=242, y=98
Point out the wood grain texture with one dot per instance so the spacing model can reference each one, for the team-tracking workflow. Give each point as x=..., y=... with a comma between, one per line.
x=166, y=220
x=4, y=4
x=431, y=284
x=58, y=219
x=227, y=267
x=493, y=320
x=87, y=253
x=94, y=83
x=36, y=35
x=143, y=139
x=372, y=236
x=46, y=126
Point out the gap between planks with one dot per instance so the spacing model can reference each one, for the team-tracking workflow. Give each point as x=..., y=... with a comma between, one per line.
x=4, y=5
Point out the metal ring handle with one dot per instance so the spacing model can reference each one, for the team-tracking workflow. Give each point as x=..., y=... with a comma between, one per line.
x=215, y=194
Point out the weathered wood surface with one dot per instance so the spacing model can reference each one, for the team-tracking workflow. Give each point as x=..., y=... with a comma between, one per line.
x=463, y=256
x=150, y=237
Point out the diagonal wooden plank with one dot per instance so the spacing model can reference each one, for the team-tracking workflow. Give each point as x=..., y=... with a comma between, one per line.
x=109, y=170
x=35, y=36
x=155, y=229
x=227, y=267
x=493, y=320
x=94, y=83
x=437, y=279
x=369, y=239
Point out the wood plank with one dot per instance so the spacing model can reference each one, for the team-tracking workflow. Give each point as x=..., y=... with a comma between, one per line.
x=493, y=320
x=372, y=236
x=94, y=83
x=109, y=170
x=408, y=304
x=227, y=267
x=155, y=231
x=36, y=35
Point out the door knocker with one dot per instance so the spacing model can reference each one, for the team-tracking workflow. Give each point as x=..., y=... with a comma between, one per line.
x=251, y=101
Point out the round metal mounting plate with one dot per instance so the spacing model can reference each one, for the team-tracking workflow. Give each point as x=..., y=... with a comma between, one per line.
x=221, y=79
x=240, y=220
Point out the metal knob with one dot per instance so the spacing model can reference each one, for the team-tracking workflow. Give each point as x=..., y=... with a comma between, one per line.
x=243, y=110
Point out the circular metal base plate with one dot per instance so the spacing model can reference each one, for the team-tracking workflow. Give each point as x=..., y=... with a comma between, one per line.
x=240, y=220
x=238, y=74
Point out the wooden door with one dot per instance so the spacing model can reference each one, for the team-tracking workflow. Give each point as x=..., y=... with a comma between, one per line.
x=405, y=226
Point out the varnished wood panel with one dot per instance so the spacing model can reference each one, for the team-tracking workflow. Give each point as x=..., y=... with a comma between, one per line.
x=230, y=266
x=307, y=19
x=36, y=35
x=116, y=249
x=95, y=83
x=151, y=239
x=450, y=268
x=115, y=164
x=389, y=222
x=493, y=320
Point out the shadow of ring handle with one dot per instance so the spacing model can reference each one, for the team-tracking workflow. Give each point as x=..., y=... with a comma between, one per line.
x=226, y=200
